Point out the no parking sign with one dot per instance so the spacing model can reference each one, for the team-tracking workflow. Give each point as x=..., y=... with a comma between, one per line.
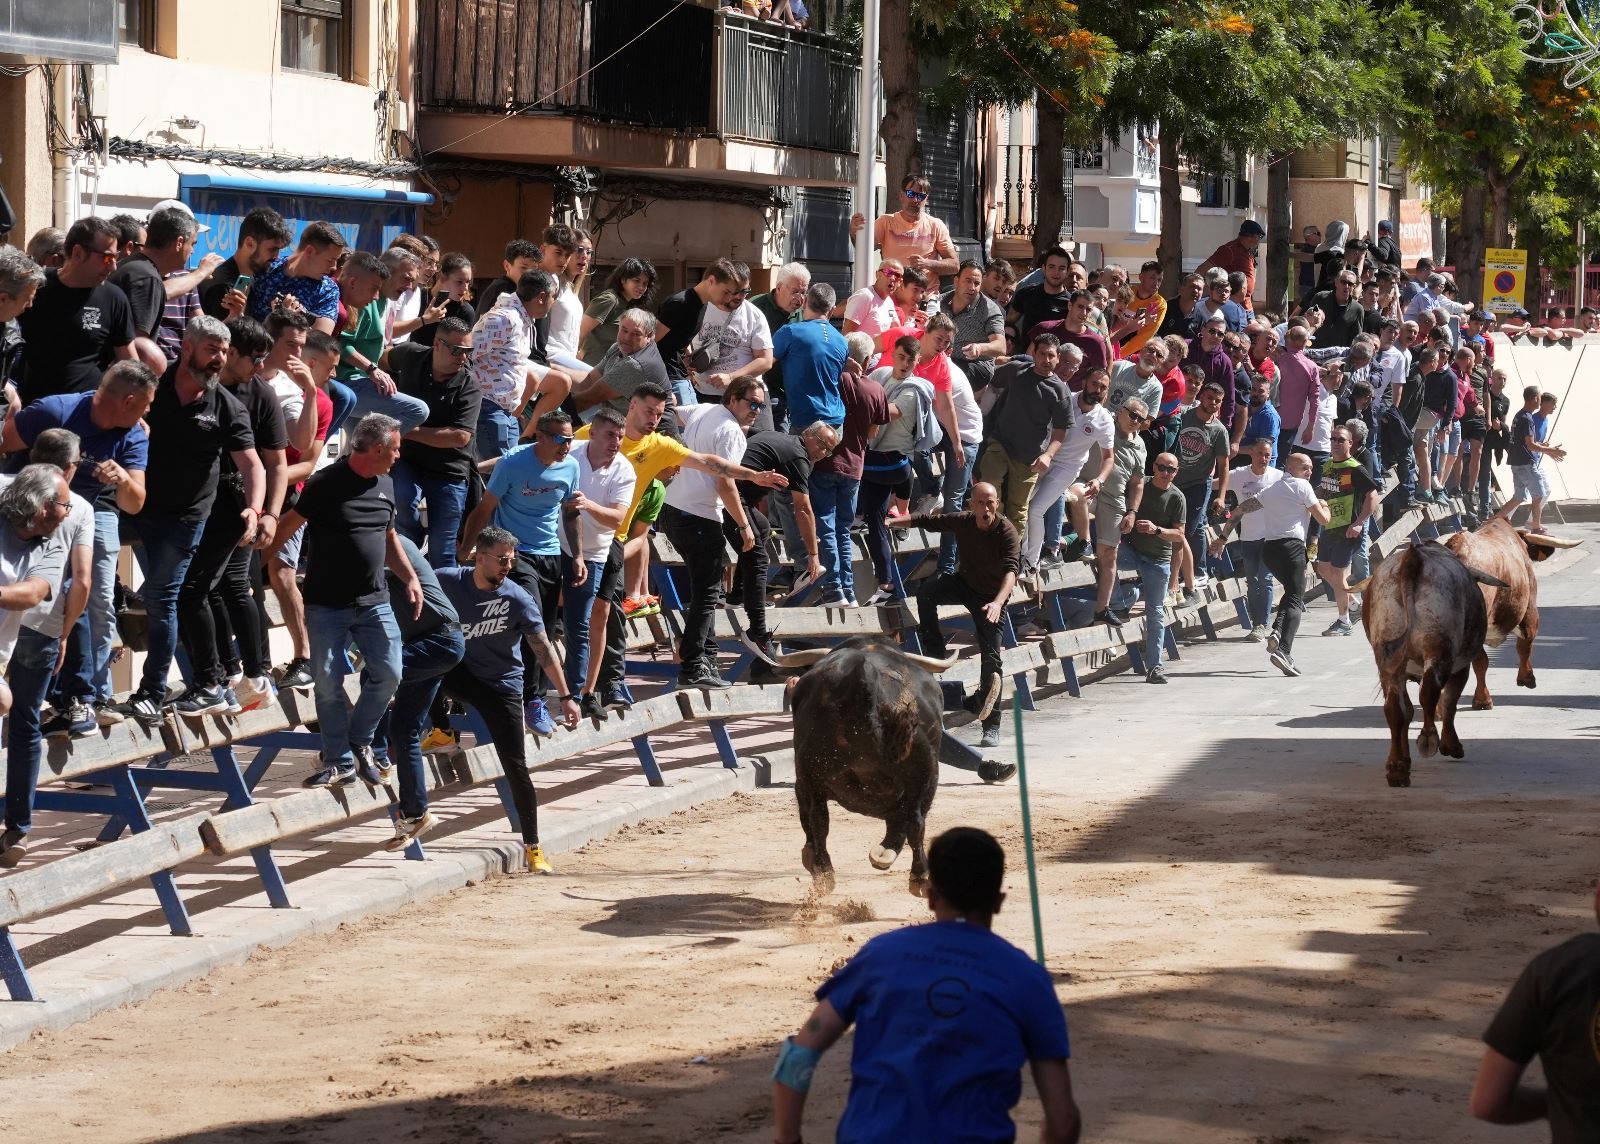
x=1504, y=273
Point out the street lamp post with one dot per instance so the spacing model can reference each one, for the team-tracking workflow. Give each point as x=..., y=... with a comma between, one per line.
x=866, y=140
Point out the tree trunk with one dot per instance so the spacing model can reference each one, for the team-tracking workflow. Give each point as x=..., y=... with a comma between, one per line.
x=1280, y=236
x=1469, y=247
x=1050, y=202
x=902, y=88
x=1170, y=250
x=1533, y=285
x=1500, y=220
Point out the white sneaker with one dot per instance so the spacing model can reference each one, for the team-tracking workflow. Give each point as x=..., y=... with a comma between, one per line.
x=1257, y=634
x=256, y=693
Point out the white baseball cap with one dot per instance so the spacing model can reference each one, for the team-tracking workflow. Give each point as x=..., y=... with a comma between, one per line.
x=175, y=205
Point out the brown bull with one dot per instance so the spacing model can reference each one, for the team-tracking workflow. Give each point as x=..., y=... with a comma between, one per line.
x=1509, y=555
x=1426, y=621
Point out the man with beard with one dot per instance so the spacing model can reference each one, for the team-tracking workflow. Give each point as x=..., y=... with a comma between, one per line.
x=262, y=236
x=195, y=421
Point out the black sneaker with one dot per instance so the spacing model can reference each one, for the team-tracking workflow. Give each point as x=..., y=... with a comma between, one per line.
x=615, y=699
x=996, y=772
x=368, y=768
x=703, y=679
x=76, y=721
x=1109, y=616
x=1074, y=550
x=201, y=701
x=13, y=847
x=297, y=674
x=341, y=775
x=144, y=709
x=592, y=708
x=1156, y=675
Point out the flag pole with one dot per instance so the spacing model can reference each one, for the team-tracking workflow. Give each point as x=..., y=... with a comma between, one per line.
x=1027, y=828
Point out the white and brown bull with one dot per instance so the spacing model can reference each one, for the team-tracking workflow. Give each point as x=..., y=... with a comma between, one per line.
x=1507, y=554
x=867, y=723
x=1426, y=621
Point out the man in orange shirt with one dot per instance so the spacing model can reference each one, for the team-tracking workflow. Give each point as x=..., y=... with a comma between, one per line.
x=912, y=235
x=1240, y=255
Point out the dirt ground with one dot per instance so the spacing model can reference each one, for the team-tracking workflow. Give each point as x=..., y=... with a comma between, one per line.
x=1231, y=970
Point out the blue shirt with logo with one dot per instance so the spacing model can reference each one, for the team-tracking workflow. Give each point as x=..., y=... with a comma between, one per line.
x=494, y=624
x=530, y=493
x=946, y=1015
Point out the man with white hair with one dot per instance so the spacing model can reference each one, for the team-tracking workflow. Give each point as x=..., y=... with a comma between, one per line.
x=780, y=306
x=632, y=360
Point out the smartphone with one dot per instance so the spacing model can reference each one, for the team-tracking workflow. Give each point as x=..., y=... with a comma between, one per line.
x=439, y=299
x=242, y=284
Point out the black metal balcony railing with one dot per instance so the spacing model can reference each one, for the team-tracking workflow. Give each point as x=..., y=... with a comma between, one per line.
x=692, y=70
x=1019, y=189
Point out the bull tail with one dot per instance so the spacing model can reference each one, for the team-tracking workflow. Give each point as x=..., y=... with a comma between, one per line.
x=1392, y=651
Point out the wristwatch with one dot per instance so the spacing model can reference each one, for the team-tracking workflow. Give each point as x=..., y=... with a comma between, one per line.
x=566, y=698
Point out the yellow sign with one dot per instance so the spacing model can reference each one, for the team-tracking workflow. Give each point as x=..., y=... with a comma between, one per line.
x=1505, y=276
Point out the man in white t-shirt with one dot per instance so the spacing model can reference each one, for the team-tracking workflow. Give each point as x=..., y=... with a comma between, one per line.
x=1286, y=507
x=1248, y=484
x=606, y=480
x=871, y=309
x=744, y=342
x=1093, y=425
x=692, y=520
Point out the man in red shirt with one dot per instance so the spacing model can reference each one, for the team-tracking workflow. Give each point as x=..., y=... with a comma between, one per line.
x=1240, y=255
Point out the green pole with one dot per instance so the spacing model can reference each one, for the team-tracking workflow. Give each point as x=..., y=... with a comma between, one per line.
x=1027, y=829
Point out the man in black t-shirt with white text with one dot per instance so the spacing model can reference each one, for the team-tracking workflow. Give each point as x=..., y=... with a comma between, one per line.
x=192, y=422
x=349, y=512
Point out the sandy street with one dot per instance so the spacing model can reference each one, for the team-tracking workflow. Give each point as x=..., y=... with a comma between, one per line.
x=1254, y=938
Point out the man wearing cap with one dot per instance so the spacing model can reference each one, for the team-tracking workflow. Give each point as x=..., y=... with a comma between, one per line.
x=1240, y=255
x=1385, y=250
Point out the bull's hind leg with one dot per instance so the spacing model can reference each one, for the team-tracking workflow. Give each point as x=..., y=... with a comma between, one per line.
x=1525, y=637
x=1397, y=711
x=1449, y=742
x=916, y=832
x=1481, y=699
x=814, y=821
x=1428, y=692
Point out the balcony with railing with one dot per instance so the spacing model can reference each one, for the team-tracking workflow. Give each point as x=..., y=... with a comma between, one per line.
x=1019, y=189
x=676, y=68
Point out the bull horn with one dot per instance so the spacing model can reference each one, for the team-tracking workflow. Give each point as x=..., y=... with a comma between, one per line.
x=804, y=658
x=928, y=663
x=990, y=698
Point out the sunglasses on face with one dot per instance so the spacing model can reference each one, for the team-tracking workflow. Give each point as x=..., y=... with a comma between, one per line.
x=754, y=404
x=891, y=275
x=917, y=196
x=459, y=351
x=561, y=439
x=1340, y=440
x=1166, y=468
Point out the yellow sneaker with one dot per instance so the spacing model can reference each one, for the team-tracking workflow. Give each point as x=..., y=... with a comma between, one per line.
x=537, y=862
x=439, y=740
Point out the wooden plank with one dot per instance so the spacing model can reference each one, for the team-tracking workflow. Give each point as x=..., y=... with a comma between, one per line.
x=1398, y=533
x=457, y=80
x=1083, y=641
x=293, y=709
x=484, y=80
x=819, y=623
x=55, y=885
x=482, y=764
x=525, y=62
x=1024, y=657
x=126, y=742
x=734, y=703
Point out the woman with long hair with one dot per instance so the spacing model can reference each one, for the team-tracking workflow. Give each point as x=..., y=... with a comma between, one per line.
x=632, y=283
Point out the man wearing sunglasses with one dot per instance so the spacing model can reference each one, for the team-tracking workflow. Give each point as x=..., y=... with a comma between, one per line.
x=1157, y=528
x=436, y=457
x=911, y=236
x=78, y=323
x=527, y=496
x=871, y=309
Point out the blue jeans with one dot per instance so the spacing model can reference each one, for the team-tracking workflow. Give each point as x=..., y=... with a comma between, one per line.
x=1153, y=577
x=373, y=631
x=683, y=392
x=1258, y=581
x=497, y=431
x=169, y=545
x=833, y=499
x=1196, y=502
x=97, y=626
x=577, y=601
x=423, y=664
x=402, y=407
x=344, y=400
x=32, y=664
x=957, y=482
x=447, y=504
x=1054, y=518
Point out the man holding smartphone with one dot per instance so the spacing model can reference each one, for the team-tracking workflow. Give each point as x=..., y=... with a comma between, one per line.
x=262, y=236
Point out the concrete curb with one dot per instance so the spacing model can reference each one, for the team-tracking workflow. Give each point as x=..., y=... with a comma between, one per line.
x=82, y=983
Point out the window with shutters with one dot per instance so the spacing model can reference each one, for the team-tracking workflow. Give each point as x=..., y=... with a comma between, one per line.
x=136, y=23
x=315, y=36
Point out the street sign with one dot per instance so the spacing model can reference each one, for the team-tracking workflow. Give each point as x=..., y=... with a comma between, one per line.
x=1505, y=274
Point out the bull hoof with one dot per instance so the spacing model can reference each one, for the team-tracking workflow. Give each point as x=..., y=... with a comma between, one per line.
x=1484, y=704
x=882, y=857
x=1453, y=749
x=1530, y=682
x=918, y=886
x=1398, y=778
x=1428, y=744
x=822, y=883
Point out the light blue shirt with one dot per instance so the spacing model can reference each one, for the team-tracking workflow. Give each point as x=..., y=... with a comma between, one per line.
x=530, y=495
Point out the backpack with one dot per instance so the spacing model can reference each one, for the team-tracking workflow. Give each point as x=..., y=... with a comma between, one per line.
x=929, y=431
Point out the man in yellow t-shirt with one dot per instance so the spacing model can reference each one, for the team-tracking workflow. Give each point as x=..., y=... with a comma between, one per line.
x=656, y=458
x=913, y=236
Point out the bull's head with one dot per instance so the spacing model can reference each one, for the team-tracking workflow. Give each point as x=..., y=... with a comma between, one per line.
x=1542, y=546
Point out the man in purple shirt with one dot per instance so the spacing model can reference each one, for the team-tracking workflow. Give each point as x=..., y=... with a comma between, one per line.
x=1298, y=377
x=1208, y=352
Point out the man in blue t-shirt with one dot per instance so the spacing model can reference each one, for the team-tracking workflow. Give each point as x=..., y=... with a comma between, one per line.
x=497, y=616
x=811, y=353
x=945, y=1015
x=524, y=497
x=304, y=278
x=110, y=477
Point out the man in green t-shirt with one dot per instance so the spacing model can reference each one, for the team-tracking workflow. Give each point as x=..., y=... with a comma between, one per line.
x=1351, y=497
x=1157, y=526
x=361, y=345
